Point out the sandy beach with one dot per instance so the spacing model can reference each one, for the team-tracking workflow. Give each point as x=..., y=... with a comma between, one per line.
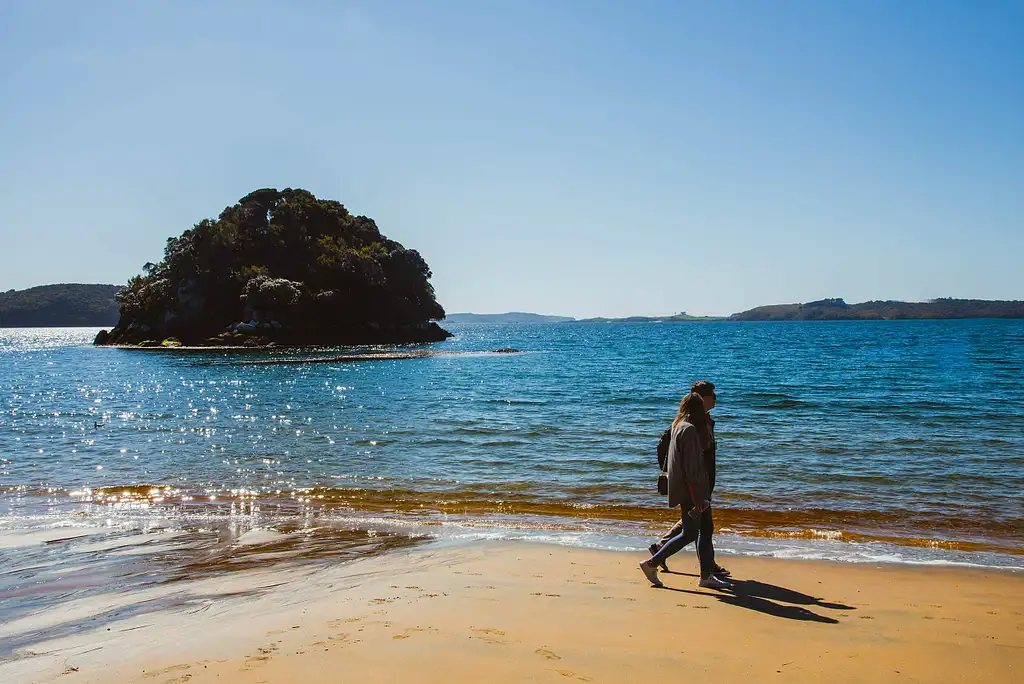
x=510, y=612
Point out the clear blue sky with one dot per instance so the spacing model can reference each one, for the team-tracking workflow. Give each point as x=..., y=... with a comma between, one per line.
x=578, y=158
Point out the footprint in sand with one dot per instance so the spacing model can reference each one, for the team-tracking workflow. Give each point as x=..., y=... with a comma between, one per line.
x=489, y=635
x=340, y=622
x=256, y=660
x=415, y=630
x=169, y=670
x=570, y=673
x=550, y=655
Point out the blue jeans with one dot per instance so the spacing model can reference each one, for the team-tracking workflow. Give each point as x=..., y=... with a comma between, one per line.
x=701, y=530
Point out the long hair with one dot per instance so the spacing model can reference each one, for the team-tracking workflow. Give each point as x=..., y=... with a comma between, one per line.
x=691, y=410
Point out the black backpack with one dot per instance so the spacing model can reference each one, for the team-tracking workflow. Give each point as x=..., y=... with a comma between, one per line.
x=663, y=444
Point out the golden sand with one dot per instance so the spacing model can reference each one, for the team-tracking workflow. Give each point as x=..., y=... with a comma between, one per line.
x=515, y=612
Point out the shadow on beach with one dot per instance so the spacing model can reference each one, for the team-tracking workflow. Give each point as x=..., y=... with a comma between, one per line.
x=771, y=599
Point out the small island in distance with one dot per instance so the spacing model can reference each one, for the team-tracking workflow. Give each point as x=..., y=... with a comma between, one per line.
x=280, y=267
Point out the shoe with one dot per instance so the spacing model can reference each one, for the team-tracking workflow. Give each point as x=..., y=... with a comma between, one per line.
x=713, y=582
x=722, y=572
x=651, y=573
x=653, y=548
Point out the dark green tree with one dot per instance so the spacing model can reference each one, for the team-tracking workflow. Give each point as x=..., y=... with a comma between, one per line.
x=303, y=268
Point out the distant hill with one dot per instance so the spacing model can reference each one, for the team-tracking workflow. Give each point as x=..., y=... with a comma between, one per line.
x=677, y=318
x=58, y=306
x=510, y=317
x=839, y=310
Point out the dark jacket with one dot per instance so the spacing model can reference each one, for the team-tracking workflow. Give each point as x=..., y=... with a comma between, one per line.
x=686, y=470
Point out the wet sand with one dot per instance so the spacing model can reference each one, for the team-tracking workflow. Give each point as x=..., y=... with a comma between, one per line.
x=492, y=612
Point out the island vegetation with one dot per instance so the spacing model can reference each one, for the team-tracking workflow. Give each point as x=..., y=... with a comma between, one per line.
x=839, y=310
x=65, y=305
x=280, y=267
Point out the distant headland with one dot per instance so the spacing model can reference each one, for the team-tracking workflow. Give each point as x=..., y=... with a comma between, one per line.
x=69, y=305
x=821, y=310
x=60, y=306
x=675, y=318
x=523, y=317
x=280, y=267
x=839, y=310
x=510, y=317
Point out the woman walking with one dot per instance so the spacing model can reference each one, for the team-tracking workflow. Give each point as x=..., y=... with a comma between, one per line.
x=689, y=487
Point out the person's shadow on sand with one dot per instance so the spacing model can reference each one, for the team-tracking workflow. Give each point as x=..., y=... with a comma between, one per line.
x=762, y=597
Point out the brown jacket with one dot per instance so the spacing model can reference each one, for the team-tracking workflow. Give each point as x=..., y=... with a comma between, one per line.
x=687, y=474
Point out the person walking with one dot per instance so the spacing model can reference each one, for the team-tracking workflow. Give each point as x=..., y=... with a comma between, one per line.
x=689, y=488
x=706, y=389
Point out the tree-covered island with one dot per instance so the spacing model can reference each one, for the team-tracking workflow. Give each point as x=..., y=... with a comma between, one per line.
x=280, y=267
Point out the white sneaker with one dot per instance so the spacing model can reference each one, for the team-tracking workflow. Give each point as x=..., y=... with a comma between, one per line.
x=713, y=582
x=651, y=573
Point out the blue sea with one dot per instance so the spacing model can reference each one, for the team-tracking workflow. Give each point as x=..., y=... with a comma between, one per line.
x=873, y=441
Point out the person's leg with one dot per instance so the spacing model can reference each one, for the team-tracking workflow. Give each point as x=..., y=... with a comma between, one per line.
x=691, y=530
x=706, y=555
x=707, y=527
x=676, y=530
x=705, y=546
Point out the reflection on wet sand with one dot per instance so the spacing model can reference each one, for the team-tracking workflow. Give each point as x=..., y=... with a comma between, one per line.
x=102, y=577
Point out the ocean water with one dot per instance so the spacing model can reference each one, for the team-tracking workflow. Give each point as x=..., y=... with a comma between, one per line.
x=877, y=441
